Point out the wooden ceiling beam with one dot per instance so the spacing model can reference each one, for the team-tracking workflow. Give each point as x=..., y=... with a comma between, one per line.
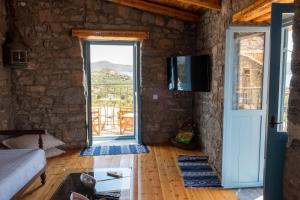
x=158, y=9
x=263, y=18
x=259, y=8
x=210, y=4
x=250, y=12
x=256, y=10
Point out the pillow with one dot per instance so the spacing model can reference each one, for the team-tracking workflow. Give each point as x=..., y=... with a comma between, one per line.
x=52, y=152
x=3, y=137
x=32, y=142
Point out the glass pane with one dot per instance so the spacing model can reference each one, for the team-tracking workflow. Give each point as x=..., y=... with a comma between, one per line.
x=248, y=71
x=287, y=49
x=112, y=90
x=183, y=72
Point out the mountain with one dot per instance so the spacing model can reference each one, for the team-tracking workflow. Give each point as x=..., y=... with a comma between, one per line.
x=108, y=66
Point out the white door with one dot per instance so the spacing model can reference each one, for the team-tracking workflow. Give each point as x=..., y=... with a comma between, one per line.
x=245, y=99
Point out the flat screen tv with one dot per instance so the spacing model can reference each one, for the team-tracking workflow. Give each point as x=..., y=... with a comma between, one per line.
x=189, y=73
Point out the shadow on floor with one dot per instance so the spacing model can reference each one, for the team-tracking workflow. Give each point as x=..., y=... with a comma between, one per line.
x=250, y=194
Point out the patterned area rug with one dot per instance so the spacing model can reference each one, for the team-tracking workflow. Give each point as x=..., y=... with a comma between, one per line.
x=197, y=173
x=114, y=150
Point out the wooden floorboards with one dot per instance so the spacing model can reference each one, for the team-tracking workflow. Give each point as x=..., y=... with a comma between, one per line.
x=156, y=175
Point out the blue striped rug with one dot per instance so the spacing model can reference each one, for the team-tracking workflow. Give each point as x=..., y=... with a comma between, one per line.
x=197, y=173
x=114, y=150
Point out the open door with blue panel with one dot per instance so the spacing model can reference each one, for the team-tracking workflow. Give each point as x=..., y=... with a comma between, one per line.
x=280, y=75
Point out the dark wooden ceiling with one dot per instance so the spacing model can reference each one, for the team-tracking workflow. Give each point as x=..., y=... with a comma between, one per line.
x=259, y=12
x=177, y=4
x=189, y=10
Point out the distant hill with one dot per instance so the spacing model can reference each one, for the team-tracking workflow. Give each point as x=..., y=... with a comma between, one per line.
x=108, y=66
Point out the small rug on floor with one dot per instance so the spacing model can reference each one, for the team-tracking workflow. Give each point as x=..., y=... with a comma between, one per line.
x=114, y=150
x=197, y=173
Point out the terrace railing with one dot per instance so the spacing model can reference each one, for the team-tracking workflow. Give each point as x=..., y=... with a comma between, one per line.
x=112, y=109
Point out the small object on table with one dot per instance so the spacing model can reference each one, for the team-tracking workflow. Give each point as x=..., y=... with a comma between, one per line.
x=107, y=195
x=88, y=181
x=77, y=196
x=115, y=174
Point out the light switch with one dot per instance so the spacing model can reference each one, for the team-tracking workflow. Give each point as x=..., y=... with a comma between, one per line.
x=155, y=96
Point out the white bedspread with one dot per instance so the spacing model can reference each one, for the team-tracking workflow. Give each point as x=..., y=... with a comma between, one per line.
x=18, y=167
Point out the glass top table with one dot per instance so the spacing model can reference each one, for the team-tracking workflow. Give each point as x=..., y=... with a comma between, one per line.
x=120, y=187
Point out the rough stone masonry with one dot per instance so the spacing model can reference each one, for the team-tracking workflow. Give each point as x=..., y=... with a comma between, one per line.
x=6, y=119
x=208, y=110
x=49, y=94
x=292, y=164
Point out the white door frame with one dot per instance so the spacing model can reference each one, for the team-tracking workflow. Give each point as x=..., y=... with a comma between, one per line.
x=227, y=177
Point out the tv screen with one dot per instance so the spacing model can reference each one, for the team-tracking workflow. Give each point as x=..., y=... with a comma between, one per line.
x=189, y=73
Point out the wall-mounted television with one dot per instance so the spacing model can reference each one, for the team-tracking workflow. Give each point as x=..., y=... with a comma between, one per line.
x=189, y=73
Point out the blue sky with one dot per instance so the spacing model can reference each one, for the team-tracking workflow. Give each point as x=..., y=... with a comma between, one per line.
x=112, y=53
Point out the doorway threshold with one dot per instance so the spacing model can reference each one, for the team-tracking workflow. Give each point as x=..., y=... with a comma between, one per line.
x=113, y=142
x=101, y=138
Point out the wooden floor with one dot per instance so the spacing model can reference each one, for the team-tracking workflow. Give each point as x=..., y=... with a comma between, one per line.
x=156, y=175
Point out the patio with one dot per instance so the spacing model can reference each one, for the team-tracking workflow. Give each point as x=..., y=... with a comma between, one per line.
x=112, y=110
x=112, y=121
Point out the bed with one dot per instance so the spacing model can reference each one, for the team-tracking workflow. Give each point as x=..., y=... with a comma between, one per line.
x=20, y=167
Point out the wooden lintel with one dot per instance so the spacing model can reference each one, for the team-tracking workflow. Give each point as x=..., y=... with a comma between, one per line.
x=260, y=10
x=158, y=9
x=87, y=34
x=210, y=4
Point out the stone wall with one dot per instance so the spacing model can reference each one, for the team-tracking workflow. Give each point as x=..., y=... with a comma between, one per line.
x=6, y=120
x=292, y=173
x=208, y=109
x=49, y=93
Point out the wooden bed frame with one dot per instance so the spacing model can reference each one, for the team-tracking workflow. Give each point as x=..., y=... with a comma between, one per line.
x=41, y=173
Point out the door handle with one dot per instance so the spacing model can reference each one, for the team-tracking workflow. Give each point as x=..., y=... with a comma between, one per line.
x=273, y=122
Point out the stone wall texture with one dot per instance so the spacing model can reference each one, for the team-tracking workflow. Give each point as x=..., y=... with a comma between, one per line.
x=49, y=94
x=208, y=111
x=6, y=120
x=292, y=173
